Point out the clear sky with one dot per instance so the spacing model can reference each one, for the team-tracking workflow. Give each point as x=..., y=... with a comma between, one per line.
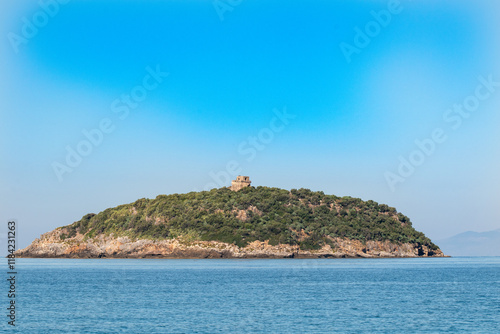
x=326, y=95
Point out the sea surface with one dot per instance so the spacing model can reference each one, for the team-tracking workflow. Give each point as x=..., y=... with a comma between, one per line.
x=433, y=295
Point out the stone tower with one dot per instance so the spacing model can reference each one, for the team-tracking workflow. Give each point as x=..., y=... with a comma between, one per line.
x=240, y=183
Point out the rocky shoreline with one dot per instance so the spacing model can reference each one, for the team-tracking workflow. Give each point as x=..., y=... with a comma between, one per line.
x=50, y=245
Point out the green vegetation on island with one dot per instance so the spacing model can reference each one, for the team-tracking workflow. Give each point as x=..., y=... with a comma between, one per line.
x=297, y=217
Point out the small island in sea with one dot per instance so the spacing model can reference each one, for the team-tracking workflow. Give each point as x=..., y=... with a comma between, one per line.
x=240, y=221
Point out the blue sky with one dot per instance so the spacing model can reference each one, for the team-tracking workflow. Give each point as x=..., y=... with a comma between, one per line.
x=352, y=119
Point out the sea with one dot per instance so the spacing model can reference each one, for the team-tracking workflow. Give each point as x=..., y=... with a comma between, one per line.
x=418, y=295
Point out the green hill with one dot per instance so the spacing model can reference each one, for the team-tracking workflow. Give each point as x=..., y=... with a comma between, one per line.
x=297, y=217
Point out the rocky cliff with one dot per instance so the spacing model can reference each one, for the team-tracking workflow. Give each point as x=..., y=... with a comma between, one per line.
x=50, y=245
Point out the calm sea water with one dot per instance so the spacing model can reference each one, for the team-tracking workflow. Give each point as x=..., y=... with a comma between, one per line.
x=450, y=295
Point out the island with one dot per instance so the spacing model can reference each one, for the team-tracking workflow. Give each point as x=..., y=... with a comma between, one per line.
x=240, y=221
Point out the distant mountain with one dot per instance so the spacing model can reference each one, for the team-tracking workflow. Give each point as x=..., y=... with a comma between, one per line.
x=472, y=244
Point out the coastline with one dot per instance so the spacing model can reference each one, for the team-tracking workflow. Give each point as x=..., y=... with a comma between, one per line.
x=50, y=245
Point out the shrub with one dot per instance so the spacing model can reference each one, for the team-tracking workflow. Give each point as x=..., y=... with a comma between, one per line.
x=281, y=215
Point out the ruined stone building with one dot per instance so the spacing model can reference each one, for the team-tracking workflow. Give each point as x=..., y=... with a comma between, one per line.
x=240, y=183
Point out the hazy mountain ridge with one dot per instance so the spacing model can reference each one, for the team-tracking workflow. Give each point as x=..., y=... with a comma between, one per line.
x=472, y=243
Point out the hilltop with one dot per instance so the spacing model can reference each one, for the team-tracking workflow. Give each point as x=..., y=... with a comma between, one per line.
x=251, y=222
